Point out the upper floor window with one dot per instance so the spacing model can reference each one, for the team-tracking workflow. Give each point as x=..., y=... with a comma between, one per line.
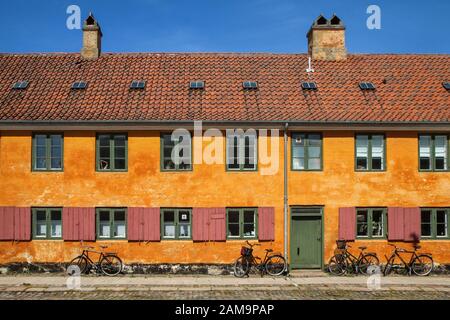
x=47, y=223
x=241, y=223
x=47, y=152
x=241, y=150
x=112, y=152
x=306, y=151
x=176, y=223
x=370, y=152
x=176, y=152
x=111, y=223
x=433, y=152
x=370, y=222
x=434, y=223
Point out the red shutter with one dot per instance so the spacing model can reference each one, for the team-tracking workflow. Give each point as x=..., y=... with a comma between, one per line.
x=6, y=223
x=79, y=224
x=208, y=224
x=217, y=224
x=266, y=223
x=347, y=223
x=412, y=230
x=22, y=223
x=144, y=224
x=200, y=224
x=396, y=223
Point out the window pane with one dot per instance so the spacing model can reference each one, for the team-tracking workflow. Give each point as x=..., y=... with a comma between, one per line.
x=298, y=164
x=119, y=152
x=314, y=164
x=440, y=151
x=314, y=140
x=233, y=216
x=40, y=140
x=249, y=216
x=119, y=229
x=298, y=152
x=41, y=163
x=119, y=164
x=233, y=229
x=55, y=140
x=377, y=223
x=168, y=164
x=442, y=223
x=119, y=140
x=377, y=152
x=425, y=218
x=314, y=152
x=55, y=224
x=249, y=229
x=104, y=224
x=169, y=224
x=249, y=152
x=425, y=152
x=41, y=151
x=41, y=223
x=104, y=164
x=56, y=163
x=184, y=216
x=361, y=220
x=362, y=151
x=104, y=140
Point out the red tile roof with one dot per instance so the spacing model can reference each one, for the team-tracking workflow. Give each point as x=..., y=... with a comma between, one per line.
x=408, y=87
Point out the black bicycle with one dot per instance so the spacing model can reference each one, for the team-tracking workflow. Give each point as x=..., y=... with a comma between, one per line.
x=345, y=262
x=273, y=264
x=108, y=262
x=421, y=264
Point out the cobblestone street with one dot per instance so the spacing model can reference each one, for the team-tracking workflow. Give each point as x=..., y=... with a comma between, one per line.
x=223, y=287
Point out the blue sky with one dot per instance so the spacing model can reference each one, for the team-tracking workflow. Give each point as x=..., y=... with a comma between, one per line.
x=279, y=26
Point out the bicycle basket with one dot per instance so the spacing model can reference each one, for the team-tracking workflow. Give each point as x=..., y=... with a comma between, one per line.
x=246, y=251
x=341, y=244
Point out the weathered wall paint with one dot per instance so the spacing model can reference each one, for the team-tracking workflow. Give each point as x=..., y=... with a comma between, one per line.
x=338, y=185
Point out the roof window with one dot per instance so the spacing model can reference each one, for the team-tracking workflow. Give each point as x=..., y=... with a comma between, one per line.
x=197, y=84
x=446, y=85
x=366, y=86
x=309, y=86
x=137, y=84
x=250, y=85
x=79, y=85
x=20, y=85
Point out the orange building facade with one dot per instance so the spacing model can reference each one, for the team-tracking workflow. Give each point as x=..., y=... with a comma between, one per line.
x=144, y=184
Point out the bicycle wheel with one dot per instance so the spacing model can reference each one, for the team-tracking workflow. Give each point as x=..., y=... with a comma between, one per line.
x=111, y=265
x=422, y=265
x=337, y=265
x=368, y=260
x=275, y=265
x=241, y=267
x=388, y=267
x=80, y=262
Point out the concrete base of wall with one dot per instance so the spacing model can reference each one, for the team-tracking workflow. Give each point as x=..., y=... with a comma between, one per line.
x=206, y=269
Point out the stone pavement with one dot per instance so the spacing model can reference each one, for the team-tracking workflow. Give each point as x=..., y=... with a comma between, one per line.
x=300, y=285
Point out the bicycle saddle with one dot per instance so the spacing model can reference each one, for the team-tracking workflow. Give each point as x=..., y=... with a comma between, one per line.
x=417, y=247
x=269, y=250
x=103, y=247
x=362, y=248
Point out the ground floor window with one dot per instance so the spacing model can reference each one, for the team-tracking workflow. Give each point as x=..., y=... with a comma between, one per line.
x=370, y=222
x=434, y=223
x=47, y=223
x=111, y=223
x=176, y=223
x=241, y=223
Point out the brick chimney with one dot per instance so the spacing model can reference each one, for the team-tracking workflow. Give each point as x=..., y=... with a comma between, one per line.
x=326, y=39
x=92, y=38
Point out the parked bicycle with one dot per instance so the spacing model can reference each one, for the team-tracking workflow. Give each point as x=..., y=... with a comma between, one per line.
x=273, y=264
x=421, y=264
x=108, y=262
x=344, y=262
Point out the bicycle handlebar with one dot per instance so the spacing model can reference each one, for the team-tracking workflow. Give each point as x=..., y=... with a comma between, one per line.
x=252, y=245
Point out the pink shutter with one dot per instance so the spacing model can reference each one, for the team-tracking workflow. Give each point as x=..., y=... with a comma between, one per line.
x=412, y=230
x=347, y=223
x=22, y=223
x=396, y=225
x=79, y=224
x=266, y=224
x=200, y=224
x=144, y=224
x=6, y=223
x=217, y=224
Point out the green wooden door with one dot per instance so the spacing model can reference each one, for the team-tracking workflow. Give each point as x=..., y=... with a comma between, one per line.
x=306, y=242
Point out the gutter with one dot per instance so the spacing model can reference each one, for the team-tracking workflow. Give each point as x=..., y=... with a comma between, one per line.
x=285, y=198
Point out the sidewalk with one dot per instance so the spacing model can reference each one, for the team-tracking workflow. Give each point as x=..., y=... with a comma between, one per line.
x=297, y=286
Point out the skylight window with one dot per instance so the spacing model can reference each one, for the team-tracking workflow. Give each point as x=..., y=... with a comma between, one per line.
x=137, y=84
x=20, y=85
x=79, y=85
x=366, y=86
x=250, y=85
x=197, y=84
x=446, y=85
x=309, y=86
